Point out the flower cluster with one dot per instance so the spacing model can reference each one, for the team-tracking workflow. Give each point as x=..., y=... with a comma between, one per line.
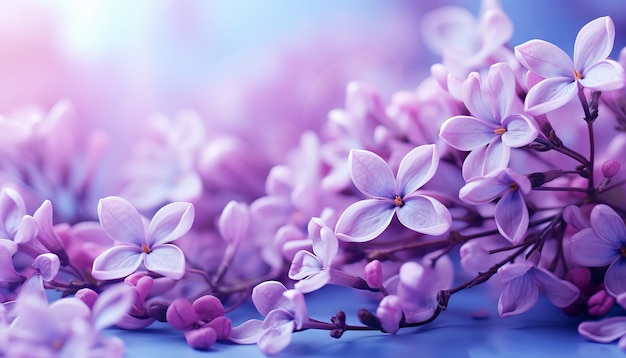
x=509, y=156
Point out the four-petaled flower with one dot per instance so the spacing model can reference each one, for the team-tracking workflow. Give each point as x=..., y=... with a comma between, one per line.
x=143, y=242
x=604, y=243
x=562, y=78
x=511, y=211
x=492, y=129
x=366, y=219
x=284, y=311
x=522, y=283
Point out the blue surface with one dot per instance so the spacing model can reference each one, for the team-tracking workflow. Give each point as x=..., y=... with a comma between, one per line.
x=542, y=332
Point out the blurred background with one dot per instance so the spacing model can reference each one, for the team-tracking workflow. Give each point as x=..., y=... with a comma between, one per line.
x=277, y=63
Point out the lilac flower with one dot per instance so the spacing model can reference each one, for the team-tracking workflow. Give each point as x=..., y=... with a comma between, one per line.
x=142, y=243
x=67, y=327
x=563, y=78
x=522, y=283
x=203, y=321
x=493, y=129
x=284, y=311
x=15, y=225
x=607, y=330
x=366, y=219
x=602, y=244
x=511, y=211
x=314, y=270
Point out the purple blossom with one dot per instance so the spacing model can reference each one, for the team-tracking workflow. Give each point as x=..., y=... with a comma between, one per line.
x=494, y=128
x=203, y=321
x=142, y=242
x=284, y=311
x=314, y=270
x=511, y=211
x=607, y=330
x=602, y=244
x=522, y=283
x=15, y=225
x=366, y=219
x=562, y=77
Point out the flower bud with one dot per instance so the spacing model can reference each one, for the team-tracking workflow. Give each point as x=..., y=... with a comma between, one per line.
x=180, y=314
x=610, y=168
x=202, y=338
x=389, y=312
x=374, y=274
x=222, y=327
x=87, y=295
x=208, y=307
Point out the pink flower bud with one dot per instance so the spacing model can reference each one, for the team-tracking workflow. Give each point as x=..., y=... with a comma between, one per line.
x=389, y=312
x=222, y=326
x=208, y=307
x=180, y=314
x=610, y=168
x=202, y=338
x=600, y=303
x=87, y=295
x=374, y=274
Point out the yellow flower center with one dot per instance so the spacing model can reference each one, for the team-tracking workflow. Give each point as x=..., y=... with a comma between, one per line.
x=398, y=201
x=146, y=248
x=500, y=130
x=578, y=75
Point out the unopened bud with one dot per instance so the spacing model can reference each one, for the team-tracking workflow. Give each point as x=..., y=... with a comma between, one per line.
x=610, y=168
x=373, y=273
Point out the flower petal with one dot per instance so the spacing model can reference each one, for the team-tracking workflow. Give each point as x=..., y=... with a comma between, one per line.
x=473, y=165
x=518, y=296
x=364, y=220
x=234, y=222
x=48, y=265
x=474, y=99
x=588, y=249
x=7, y=271
x=112, y=305
x=497, y=156
x=603, y=76
x=608, y=225
x=550, y=94
x=416, y=168
x=268, y=295
x=313, y=282
x=545, y=59
x=481, y=191
x=121, y=221
x=170, y=223
x=167, y=260
x=299, y=306
x=561, y=293
x=248, y=332
x=603, y=331
x=117, y=262
x=425, y=215
x=278, y=327
x=502, y=88
x=512, y=216
x=594, y=42
x=466, y=132
x=326, y=247
x=615, y=277
x=389, y=312
x=371, y=174
x=520, y=130
x=303, y=265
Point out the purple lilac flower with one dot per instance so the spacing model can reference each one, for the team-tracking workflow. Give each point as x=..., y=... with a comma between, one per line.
x=15, y=225
x=493, y=128
x=203, y=321
x=511, y=211
x=522, y=283
x=284, y=311
x=602, y=244
x=562, y=77
x=314, y=270
x=607, y=330
x=142, y=242
x=366, y=219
